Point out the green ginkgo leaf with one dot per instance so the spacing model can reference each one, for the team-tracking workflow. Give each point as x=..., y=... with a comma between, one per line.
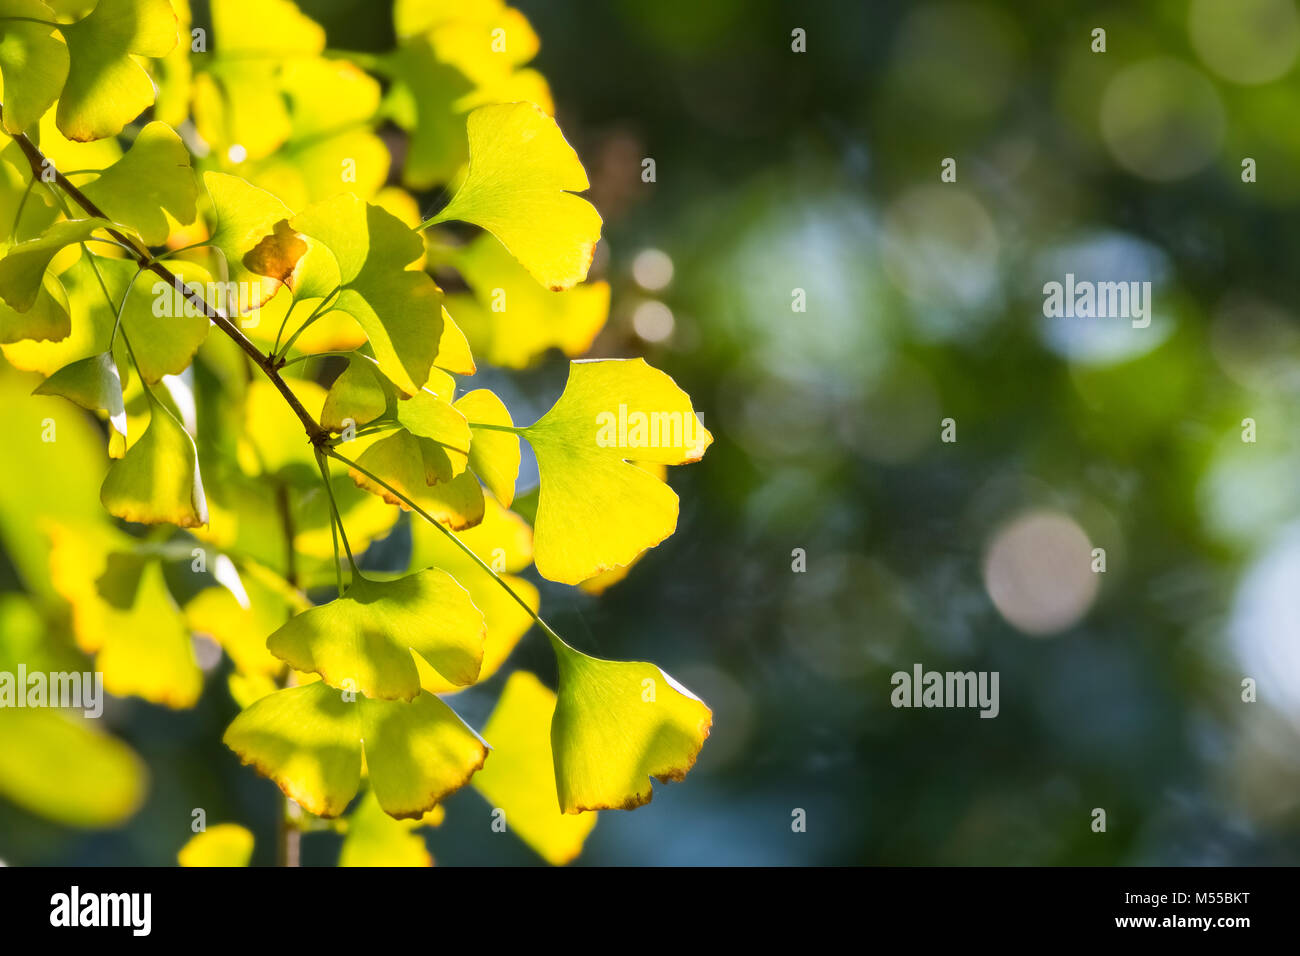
x=46, y=321
x=596, y=511
x=157, y=481
x=399, y=309
x=510, y=320
x=226, y=844
x=163, y=327
x=33, y=62
x=106, y=87
x=493, y=454
x=22, y=270
x=153, y=176
x=363, y=641
x=93, y=383
x=258, y=255
x=616, y=725
x=520, y=185
x=520, y=777
x=359, y=395
x=310, y=740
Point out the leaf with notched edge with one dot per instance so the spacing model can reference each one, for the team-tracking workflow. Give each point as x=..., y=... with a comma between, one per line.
x=595, y=510
x=157, y=481
x=616, y=725
x=520, y=185
x=363, y=641
x=310, y=740
x=33, y=62
x=246, y=216
x=106, y=87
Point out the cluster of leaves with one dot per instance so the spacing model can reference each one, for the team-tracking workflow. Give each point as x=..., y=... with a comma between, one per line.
x=144, y=165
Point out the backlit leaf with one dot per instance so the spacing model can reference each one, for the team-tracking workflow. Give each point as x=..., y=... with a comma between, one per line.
x=363, y=641
x=595, y=510
x=246, y=216
x=520, y=777
x=493, y=454
x=157, y=481
x=23, y=267
x=94, y=384
x=33, y=62
x=226, y=844
x=375, y=839
x=153, y=176
x=617, y=724
x=510, y=320
x=106, y=87
x=309, y=740
x=522, y=176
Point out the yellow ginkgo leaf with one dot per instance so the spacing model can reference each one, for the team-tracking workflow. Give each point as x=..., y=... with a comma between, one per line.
x=368, y=248
x=493, y=454
x=400, y=461
x=106, y=87
x=33, y=62
x=373, y=838
x=226, y=844
x=157, y=481
x=123, y=612
x=595, y=510
x=520, y=777
x=504, y=541
x=616, y=725
x=520, y=185
x=607, y=579
x=153, y=176
x=310, y=740
x=259, y=256
x=510, y=320
x=364, y=640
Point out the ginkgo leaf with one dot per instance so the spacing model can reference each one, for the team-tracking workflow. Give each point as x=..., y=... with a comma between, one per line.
x=616, y=725
x=33, y=62
x=258, y=255
x=595, y=510
x=493, y=454
x=400, y=460
x=520, y=777
x=363, y=641
x=123, y=612
x=504, y=541
x=520, y=185
x=153, y=176
x=510, y=320
x=106, y=87
x=46, y=321
x=607, y=579
x=443, y=432
x=309, y=740
x=157, y=481
x=163, y=327
x=93, y=383
x=55, y=764
x=359, y=395
x=226, y=844
x=400, y=309
x=23, y=267
x=374, y=838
